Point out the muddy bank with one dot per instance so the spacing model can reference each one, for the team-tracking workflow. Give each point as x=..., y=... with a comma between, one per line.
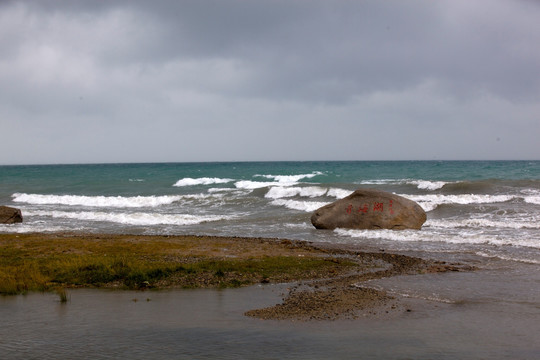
x=348, y=297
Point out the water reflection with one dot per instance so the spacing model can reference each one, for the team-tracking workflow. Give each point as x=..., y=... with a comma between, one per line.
x=209, y=324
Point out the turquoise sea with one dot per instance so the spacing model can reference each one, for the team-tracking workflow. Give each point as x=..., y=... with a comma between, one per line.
x=490, y=208
x=480, y=213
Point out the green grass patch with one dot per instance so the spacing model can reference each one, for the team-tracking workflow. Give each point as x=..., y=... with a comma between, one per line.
x=41, y=263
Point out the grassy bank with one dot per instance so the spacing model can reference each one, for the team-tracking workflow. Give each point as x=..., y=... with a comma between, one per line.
x=45, y=262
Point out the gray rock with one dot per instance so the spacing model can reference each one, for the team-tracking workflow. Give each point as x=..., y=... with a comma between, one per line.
x=370, y=209
x=9, y=215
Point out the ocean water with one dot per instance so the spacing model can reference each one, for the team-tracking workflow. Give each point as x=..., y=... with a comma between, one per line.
x=481, y=213
x=487, y=208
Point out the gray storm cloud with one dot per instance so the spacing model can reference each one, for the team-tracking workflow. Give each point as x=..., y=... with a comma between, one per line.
x=131, y=81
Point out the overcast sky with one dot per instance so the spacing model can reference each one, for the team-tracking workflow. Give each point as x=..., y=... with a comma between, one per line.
x=224, y=80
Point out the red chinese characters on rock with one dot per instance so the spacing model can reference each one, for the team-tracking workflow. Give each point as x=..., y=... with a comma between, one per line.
x=377, y=207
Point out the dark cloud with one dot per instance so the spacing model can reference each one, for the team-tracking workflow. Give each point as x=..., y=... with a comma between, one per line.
x=309, y=49
x=427, y=74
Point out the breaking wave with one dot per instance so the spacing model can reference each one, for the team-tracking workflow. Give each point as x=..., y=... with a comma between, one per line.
x=339, y=193
x=482, y=223
x=278, y=180
x=420, y=184
x=533, y=200
x=29, y=227
x=96, y=201
x=290, y=179
x=424, y=235
x=428, y=185
x=252, y=185
x=137, y=218
x=281, y=192
x=201, y=181
x=508, y=258
x=431, y=201
x=307, y=206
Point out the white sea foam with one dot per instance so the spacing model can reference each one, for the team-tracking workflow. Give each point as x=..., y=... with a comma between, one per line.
x=96, y=201
x=28, y=227
x=338, y=193
x=532, y=196
x=427, y=202
x=428, y=185
x=507, y=258
x=532, y=199
x=407, y=293
x=530, y=192
x=201, y=181
x=222, y=190
x=420, y=184
x=430, y=202
x=379, y=182
x=303, y=225
x=461, y=237
x=137, y=218
x=307, y=206
x=251, y=185
x=279, y=192
x=482, y=223
x=279, y=180
x=290, y=179
x=211, y=196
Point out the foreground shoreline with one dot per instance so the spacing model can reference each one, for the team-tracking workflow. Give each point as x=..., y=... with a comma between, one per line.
x=327, y=281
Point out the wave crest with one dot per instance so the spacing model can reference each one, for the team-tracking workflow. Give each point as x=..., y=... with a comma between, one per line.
x=420, y=184
x=307, y=206
x=201, y=181
x=279, y=192
x=462, y=237
x=136, y=218
x=290, y=179
x=482, y=223
x=96, y=201
x=430, y=202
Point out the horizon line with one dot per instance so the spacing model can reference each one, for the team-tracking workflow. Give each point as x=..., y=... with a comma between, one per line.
x=257, y=161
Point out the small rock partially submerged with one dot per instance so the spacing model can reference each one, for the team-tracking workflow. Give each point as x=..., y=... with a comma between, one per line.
x=370, y=209
x=9, y=215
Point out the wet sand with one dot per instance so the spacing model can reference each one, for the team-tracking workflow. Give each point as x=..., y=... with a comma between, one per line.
x=349, y=296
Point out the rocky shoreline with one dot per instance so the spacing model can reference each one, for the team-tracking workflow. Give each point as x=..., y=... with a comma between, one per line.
x=347, y=297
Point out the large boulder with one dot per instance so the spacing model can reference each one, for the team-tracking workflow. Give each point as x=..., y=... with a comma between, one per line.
x=370, y=209
x=9, y=215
